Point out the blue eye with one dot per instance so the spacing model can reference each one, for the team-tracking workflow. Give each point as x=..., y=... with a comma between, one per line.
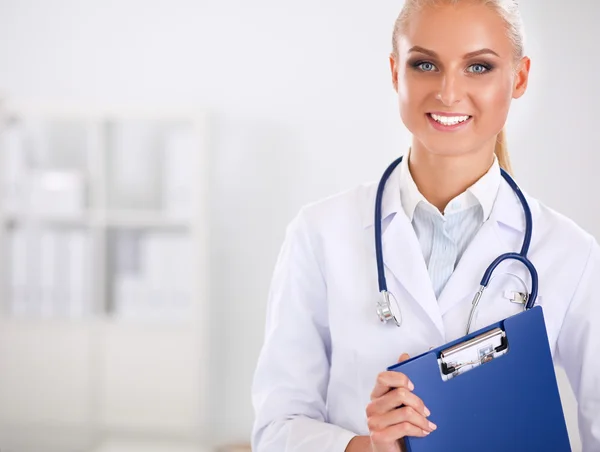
x=479, y=68
x=425, y=66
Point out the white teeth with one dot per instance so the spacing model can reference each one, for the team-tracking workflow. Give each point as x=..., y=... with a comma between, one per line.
x=449, y=120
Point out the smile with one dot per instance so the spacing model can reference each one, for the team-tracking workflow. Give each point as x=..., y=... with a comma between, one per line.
x=444, y=123
x=449, y=120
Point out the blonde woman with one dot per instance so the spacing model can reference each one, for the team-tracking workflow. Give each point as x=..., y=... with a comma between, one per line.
x=320, y=383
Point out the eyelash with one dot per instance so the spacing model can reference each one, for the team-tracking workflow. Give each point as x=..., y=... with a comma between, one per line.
x=488, y=67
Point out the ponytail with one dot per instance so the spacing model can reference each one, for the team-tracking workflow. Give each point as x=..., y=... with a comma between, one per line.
x=501, y=152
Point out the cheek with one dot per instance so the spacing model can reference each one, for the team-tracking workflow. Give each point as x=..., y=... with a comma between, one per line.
x=493, y=101
x=409, y=95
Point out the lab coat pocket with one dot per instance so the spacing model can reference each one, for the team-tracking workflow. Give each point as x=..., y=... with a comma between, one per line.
x=346, y=396
x=504, y=297
x=344, y=370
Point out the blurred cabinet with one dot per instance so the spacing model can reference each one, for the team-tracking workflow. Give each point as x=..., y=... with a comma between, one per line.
x=103, y=270
x=46, y=374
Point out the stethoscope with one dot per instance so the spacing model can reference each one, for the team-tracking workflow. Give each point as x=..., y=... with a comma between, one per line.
x=384, y=306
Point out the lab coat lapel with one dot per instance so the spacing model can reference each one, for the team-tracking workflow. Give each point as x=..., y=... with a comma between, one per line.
x=406, y=272
x=487, y=245
x=403, y=258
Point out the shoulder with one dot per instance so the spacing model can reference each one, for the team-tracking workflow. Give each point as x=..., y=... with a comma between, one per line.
x=550, y=222
x=556, y=231
x=320, y=227
x=349, y=208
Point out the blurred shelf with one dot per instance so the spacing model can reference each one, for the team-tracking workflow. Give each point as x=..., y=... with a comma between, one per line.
x=24, y=324
x=140, y=219
x=136, y=219
x=76, y=355
x=14, y=219
x=150, y=324
x=8, y=321
x=100, y=112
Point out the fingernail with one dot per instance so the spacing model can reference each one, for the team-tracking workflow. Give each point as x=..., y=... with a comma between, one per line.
x=411, y=386
x=432, y=426
x=425, y=432
x=427, y=412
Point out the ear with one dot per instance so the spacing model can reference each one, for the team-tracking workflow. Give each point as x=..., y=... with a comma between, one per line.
x=521, y=77
x=394, y=69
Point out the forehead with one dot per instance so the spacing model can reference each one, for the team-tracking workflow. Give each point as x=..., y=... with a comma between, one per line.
x=454, y=30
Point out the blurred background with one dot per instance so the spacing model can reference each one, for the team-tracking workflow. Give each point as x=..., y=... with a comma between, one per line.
x=152, y=153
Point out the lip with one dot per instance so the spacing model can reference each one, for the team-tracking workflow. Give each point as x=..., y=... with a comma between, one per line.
x=443, y=128
x=443, y=113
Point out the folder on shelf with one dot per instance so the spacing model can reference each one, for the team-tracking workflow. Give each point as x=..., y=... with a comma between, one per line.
x=507, y=400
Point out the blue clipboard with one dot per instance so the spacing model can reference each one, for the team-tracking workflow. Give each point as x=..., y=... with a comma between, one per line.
x=510, y=403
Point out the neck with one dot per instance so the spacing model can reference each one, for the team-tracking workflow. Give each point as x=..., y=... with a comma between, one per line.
x=441, y=178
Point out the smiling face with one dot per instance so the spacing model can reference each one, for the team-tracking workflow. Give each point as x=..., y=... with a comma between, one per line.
x=455, y=74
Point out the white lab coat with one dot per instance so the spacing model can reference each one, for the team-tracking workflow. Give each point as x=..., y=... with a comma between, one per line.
x=324, y=344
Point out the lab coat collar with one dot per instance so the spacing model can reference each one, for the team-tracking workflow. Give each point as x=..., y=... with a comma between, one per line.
x=485, y=190
x=403, y=255
x=482, y=192
x=391, y=202
x=508, y=209
x=491, y=241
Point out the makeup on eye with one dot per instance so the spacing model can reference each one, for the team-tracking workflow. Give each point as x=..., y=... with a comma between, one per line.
x=488, y=67
x=416, y=65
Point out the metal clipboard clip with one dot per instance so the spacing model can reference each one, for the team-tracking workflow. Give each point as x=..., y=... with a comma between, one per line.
x=476, y=351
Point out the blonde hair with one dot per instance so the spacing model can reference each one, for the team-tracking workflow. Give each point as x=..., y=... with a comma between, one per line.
x=509, y=11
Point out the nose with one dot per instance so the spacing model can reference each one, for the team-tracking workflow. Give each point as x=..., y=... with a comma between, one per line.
x=450, y=90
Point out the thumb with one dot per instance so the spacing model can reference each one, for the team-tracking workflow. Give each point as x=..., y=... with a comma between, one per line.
x=403, y=357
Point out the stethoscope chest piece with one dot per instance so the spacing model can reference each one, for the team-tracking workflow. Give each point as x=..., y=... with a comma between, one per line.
x=388, y=308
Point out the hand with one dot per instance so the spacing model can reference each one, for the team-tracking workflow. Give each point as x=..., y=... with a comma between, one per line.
x=395, y=412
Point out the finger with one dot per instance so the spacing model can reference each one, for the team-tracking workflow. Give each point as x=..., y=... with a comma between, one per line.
x=396, y=432
x=399, y=416
x=388, y=380
x=394, y=399
x=403, y=357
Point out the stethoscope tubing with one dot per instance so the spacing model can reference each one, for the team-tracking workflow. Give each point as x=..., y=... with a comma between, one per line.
x=521, y=256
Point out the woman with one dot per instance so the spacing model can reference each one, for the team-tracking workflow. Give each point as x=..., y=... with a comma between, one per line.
x=447, y=213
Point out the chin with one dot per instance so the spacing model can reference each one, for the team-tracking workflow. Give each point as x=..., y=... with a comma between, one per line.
x=447, y=146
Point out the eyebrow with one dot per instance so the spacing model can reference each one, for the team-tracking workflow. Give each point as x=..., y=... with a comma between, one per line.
x=467, y=56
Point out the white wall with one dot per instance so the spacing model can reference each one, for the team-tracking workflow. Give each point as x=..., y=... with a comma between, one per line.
x=303, y=107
